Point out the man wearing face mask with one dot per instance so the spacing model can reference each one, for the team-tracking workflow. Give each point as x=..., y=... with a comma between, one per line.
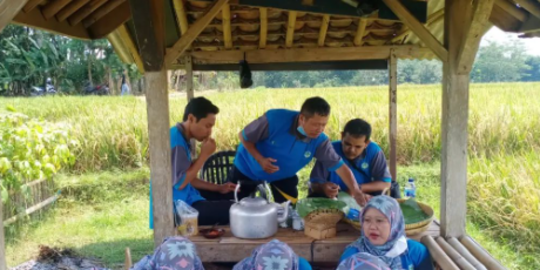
x=278, y=144
x=364, y=157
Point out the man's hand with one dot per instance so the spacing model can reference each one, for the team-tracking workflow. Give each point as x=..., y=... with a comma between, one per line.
x=208, y=147
x=330, y=189
x=266, y=164
x=359, y=196
x=226, y=188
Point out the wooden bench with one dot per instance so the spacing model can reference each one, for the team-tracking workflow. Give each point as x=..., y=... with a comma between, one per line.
x=231, y=249
x=447, y=254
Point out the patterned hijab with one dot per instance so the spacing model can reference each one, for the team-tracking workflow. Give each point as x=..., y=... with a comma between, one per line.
x=274, y=255
x=397, y=243
x=175, y=253
x=363, y=261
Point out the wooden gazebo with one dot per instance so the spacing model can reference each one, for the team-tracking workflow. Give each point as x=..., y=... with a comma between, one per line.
x=289, y=35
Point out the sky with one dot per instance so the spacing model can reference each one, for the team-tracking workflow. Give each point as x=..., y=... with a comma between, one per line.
x=495, y=34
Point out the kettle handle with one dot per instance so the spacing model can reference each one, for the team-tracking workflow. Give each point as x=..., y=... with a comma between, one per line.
x=236, y=192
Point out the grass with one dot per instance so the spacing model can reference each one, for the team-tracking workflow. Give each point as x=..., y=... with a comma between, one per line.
x=116, y=216
x=99, y=226
x=504, y=175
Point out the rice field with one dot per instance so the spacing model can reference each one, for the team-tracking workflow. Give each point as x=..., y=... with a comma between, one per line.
x=504, y=139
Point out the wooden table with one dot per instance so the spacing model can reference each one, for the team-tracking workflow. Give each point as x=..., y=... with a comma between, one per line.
x=231, y=249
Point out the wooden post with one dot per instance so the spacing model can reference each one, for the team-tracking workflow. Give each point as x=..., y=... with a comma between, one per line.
x=157, y=107
x=3, y=264
x=455, y=109
x=461, y=39
x=189, y=78
x=190, y=95
x=150, y=34
x=393, y=114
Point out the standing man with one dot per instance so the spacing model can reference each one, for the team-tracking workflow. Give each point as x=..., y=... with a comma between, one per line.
x=364, y=157
x=278, y=144
x=199, y=119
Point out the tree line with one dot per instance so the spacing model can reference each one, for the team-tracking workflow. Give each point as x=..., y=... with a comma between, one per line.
x=28, y=57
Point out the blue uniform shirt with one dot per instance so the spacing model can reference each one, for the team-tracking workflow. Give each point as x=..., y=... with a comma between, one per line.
x=369, y=166
x=415, y=257
x=275, y=136
x=181, y=161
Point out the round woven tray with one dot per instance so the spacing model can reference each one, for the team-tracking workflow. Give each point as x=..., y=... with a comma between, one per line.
x=324, y=216
x=427, y=209
x=410, y=232
x=414, y=227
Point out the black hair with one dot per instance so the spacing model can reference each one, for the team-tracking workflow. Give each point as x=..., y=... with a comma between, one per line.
x=200, y=107
x=358, y=128
x=315, y=105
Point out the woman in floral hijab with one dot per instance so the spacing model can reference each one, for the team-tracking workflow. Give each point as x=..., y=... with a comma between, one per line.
x=363, y=261
x=175, y=253
x=274, y=255
x=383, y=235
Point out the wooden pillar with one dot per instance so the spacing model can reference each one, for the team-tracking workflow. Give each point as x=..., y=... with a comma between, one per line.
x=189, y=77
x=157, y=107
x=455, y=109
x=465, y=23
x=3, y=264
x=392, y=115
x=150, y=35
x=190, y=95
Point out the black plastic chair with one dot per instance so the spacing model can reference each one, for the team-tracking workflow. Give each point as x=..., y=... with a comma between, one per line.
x=216, y=169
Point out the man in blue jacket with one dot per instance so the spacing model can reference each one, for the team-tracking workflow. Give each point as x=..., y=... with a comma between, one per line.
x=364, y=157
x=278, y=144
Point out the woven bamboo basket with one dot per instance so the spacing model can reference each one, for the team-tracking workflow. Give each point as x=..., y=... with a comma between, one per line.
x=419, y=225
x=321, y=224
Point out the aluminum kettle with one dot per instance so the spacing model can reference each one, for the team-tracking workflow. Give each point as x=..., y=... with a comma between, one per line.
x=255, y=218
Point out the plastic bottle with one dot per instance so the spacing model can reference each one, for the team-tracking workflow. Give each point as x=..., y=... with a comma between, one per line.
x=410, y=189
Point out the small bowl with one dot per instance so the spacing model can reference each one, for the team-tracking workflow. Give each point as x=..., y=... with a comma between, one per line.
x=212, y=233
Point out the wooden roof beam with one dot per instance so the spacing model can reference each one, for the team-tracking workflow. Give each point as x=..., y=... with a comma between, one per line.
x=36, y=20
x=8, y=10
x=70, y=9
x=129, y=44
x=532, y=24
x=310, y=54
x=531, y=6
x=263, y=28
x=84, y=12
x=181, y=17
x=420, y=30
x=226, y=22
x=474, y=31
x=360, y=32
x=119, y=47
x=290, y=29
x=323, y=30
x=512, y=9
x=30, y=5
x=53, y=7
x=110, y=22
x=433, y=18
x=102, y=11
x=195, y=30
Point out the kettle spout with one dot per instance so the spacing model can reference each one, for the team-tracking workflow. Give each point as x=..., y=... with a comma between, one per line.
x=283, y=218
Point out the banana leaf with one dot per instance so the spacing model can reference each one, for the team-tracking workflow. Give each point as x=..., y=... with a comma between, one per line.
x=309, y=205
x=412, y=212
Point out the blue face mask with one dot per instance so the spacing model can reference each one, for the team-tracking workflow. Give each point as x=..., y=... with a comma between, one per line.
x=301, y=130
